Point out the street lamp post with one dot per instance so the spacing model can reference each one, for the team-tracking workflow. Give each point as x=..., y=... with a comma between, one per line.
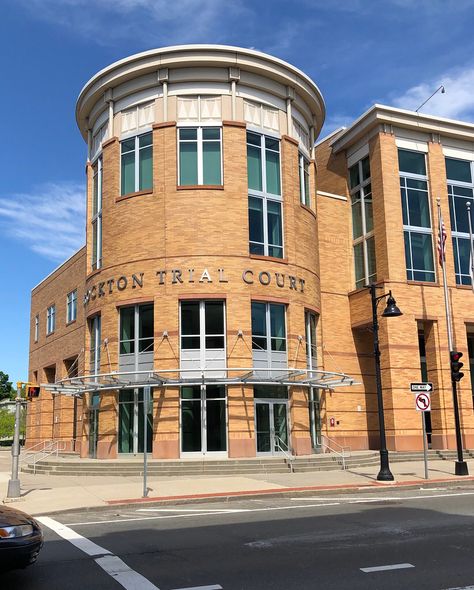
x=390, y=311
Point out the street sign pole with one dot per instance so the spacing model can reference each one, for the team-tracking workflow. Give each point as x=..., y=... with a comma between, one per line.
x=425, y=452
x=146, y=403
x=14, y=482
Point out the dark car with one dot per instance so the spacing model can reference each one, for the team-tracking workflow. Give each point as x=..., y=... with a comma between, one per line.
x=21, y=539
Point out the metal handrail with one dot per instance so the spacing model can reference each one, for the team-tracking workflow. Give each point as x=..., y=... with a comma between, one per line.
x=286, y=452
x=51, y=447
x=327, y=444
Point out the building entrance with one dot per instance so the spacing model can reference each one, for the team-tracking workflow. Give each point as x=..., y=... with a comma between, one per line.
x=131, y=429
x=271, y=426
x=203, y=420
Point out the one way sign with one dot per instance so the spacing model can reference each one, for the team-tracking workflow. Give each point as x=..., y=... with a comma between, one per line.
x=415, y=387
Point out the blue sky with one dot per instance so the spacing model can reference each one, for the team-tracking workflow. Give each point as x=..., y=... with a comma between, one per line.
x=395, y=52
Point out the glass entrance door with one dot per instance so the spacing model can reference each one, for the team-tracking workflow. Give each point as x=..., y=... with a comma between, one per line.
x=131, y=428
x=271, y=426
x=93, y=425
x=203, y=419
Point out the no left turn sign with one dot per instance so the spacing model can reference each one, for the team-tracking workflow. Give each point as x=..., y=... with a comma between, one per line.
x=423, y=402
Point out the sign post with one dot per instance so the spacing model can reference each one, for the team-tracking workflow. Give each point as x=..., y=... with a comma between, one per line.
x=423, y=404
x=146, y=406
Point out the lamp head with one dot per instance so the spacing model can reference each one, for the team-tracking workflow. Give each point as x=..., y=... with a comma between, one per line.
x=391, y=311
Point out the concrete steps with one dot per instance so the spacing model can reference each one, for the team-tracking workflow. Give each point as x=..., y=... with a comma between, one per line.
x=69, y=465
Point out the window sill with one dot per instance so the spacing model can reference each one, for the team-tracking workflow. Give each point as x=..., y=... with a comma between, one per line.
x=464, y=287
x=71, y=322
x=131, y=195
x=423, y=283
x=50, y=334
x=268, y=258
x=205, y=187
x=308, y=209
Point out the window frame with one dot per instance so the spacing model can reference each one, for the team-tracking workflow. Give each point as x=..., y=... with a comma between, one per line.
x=203, y=335
x=456, y=235
x=96, y=214
x=268, y=333
x=136, y=154
x=95, y=330
x=311, y=347
x=136, y=340
x=266, y=196
x=71, y=306
x=408, y=229
x=199, y=153
x=51, y=319
x=366, y=236
x=36, y=328
x=305, y=191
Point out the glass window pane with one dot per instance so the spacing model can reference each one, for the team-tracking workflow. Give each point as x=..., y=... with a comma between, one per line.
x=369, y=218
x=214, y=317
x=272, y=144
x=278, y=344
x=365, y=168
x=214, y=342
x=211, y=133
x=145, y=322
x=127, y=323
x=188, y=133
x=253, y=138
x=215, y=391
x=269, y=391
x=462, y=221
x=418, y=209
x=259, y=327
x=371, y=259
x=421, y=185
x=146, y=168
x=275, y=251
x=256, y=220
x=128, y=173
x=190, y=317
x=356, y=216
x=359, y=265
x=254, y=167
x=354, y=178
x=211, y=155
x=216, y=426
x=188, y=173
x=145, y=140
x=408, y=264
x=273, y=172
x=257, y=249
x=458, y=170
x=191, y=426
x=422, y=253
x=190, y=342
x=277, y=320
x=128, y=145
x=275, y=235
x=412, y=162
x=259, y=343
x=191, y=392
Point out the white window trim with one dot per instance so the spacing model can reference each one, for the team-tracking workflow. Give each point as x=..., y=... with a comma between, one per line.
x=202, y=328
x=268, y=327
x=366, y=235
x=311, y=345
x=95, y=328
x=36, y=328
x=136, y=329
x=304, y=198
x=414, y=229
x=71, y=306
x=136, y=152
x=50, y=319
x=200, y=159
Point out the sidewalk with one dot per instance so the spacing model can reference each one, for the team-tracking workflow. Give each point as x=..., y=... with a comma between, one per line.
x=44, y=494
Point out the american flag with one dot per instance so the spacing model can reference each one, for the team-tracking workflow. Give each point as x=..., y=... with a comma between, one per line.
x=441, y=242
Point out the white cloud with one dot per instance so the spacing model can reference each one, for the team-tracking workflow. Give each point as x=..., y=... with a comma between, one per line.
x=49, y=220
x=154, y=22
x=456, y=103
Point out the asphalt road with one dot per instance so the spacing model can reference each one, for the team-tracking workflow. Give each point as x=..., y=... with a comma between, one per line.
x=421, y=539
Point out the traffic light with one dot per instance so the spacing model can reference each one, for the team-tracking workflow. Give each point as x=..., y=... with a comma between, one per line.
x=33, y=391
x=456, y=366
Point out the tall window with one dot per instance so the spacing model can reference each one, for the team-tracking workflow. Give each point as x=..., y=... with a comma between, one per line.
x=51, y=319
x=311, y=350
x=95, y=335
x=36, y=328
x=362, y=223
x=460, y=190
x=268, y=326
x=137, y=163
x=200, y=160
x=136, y=329
x=97, y=216
x=470, y=354
x=71, y=306
x=202, y=325
x=265, y=203
x=305, y=195
x=416, y=216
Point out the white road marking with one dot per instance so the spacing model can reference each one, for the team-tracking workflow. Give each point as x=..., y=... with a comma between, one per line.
x=113, y=565
x=168, y=516
x=208, y=510
x=383, y=568
x=355, y=499
x=124, y=575
x=77, y=540
x=461, y=588
x=214, y=587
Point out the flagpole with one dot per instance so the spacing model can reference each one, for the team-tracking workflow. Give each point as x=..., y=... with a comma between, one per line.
x=460, y=464
x=471, y=247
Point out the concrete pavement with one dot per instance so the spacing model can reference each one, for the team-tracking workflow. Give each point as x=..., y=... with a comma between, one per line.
x=43, y=494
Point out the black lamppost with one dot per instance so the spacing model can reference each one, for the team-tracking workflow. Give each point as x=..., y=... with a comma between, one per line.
x=390, y=311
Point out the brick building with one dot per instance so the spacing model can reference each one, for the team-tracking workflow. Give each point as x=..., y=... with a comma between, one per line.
x=225, y=267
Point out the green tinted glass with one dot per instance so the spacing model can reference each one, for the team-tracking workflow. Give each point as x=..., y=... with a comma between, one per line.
x=412, y=162
x=254, y=167
x=273, y=172
x=211, y=156
x=146, y=168
x=188, y=173
x=458, y=170
x=128, y=173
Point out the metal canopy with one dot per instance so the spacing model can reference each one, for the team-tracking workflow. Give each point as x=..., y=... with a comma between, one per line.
x=77, y=386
